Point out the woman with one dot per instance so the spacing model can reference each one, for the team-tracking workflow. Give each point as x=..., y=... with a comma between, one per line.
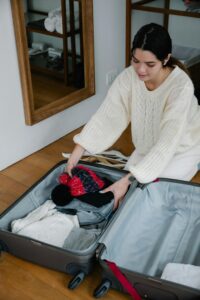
x=156, y=95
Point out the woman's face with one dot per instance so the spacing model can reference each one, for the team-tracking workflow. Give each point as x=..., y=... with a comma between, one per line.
x=146, y=65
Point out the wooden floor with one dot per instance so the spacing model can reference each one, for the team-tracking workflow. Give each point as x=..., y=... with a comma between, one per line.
x=23, y=280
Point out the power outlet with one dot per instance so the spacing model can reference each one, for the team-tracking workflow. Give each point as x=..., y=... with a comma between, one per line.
x=110, y=76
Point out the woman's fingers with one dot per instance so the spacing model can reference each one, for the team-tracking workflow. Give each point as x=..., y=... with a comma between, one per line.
x=68, y=168
x=74, y=158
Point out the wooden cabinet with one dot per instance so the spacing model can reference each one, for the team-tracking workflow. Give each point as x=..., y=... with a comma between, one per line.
x=182, y=22
x=55, y=40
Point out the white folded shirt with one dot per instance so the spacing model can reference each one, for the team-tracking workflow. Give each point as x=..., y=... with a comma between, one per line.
x=46, y=224
x=185, y=274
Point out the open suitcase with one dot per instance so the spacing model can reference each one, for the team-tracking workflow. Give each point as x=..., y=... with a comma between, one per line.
x=156, y=224
x=75, y=262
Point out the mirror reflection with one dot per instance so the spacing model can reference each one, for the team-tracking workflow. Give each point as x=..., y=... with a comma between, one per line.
x=182, y=19
x=55, y=45
x=55, y=48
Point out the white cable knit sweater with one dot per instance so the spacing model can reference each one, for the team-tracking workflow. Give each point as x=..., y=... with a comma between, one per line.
x=164, y=121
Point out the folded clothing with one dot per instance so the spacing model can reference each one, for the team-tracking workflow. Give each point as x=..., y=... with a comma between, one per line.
x=46, y=224
x=81, y=239
x=89, y=215
x=44, y=210
x=183, y=274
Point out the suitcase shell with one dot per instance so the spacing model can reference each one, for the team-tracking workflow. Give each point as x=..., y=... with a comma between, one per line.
x=174, y=195
x=78, y=263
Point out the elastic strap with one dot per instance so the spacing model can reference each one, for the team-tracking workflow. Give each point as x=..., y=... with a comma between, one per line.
x=123, y=280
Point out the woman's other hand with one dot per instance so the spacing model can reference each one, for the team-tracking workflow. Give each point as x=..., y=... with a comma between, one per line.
x=68, y=168
x=119, y=189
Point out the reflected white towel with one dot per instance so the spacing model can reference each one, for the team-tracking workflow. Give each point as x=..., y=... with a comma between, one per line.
x=54, y=12
x=50, y=24
x=57, y=13
x=182, y=273
x=58, y=25
x=54, y=20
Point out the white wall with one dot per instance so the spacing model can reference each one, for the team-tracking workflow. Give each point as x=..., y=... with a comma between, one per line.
x=19, y=140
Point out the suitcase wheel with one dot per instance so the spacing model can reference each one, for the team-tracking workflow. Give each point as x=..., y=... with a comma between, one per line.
x=102, y=289
x=76, y=281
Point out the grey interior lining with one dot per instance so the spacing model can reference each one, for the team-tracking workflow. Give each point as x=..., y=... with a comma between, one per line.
x=159, y=224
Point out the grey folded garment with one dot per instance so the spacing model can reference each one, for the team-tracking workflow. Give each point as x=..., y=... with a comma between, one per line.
x=88, y=214
x=81, y=239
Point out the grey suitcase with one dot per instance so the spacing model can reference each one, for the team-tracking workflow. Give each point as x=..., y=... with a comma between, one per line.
x=77, y=263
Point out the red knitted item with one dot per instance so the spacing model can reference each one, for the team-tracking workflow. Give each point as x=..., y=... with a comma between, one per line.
x=83, y=181
x=64, y=178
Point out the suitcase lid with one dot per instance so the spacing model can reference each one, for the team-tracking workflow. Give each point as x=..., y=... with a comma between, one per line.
x=157, y=223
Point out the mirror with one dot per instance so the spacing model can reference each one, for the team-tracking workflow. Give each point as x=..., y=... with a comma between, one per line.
x=56, y=54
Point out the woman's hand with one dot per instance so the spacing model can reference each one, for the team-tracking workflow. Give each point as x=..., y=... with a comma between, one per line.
x=68, y=168
x=74, y=158
x=119, y=189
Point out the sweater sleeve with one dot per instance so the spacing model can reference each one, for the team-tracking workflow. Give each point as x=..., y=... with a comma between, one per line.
x=172, y=128
x=111, y=119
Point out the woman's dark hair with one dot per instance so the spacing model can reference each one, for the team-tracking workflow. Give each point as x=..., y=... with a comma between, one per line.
x=155, y=38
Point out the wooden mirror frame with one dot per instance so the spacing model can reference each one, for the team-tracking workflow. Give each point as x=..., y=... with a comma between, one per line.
x=32, y=115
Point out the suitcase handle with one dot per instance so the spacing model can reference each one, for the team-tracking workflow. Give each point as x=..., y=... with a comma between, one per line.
x=123, y=280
